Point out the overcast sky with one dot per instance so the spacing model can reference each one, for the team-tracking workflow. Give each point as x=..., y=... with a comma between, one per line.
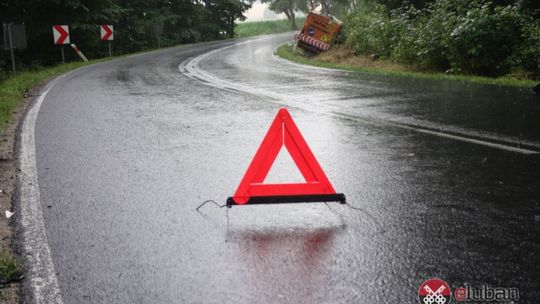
x=260, y=11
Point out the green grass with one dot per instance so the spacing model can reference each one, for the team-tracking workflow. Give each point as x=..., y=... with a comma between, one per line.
x=247, y=29
x=10, y=269
x=12, y=88
x=287, y=52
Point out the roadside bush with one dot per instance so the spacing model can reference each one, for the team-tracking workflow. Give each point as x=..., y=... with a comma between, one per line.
x=457, y=36
x=369, y=30
x=530, y=51
x=404, y=44
x=433, y=39
x=486, y=40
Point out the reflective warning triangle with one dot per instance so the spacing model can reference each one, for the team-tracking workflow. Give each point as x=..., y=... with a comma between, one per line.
x=284, y=132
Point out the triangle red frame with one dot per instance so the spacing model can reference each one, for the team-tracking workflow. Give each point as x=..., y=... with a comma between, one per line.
x=284, y=132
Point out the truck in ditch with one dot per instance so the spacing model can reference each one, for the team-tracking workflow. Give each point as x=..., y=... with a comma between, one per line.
x=318, y=32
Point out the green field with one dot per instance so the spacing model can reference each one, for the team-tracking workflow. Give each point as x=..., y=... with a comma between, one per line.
x=247, y=29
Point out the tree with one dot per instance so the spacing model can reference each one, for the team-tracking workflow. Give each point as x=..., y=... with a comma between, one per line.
x=134, y=24
x=289, y=8
x=335, y=7
x=223, y=14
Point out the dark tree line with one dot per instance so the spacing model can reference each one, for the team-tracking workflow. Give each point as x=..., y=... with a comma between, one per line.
x=134, y=21
x=343, y=7
x=480, y=37
x=525, y=4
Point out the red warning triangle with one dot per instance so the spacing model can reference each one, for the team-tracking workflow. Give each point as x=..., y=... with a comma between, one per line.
x=284, y=132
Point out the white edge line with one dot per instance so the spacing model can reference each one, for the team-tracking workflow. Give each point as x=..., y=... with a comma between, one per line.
x=190, y=67
x=40, y=272
x=41, y=278
x=479, y=142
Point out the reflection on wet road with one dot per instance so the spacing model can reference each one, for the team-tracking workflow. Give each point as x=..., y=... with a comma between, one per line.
x=126, y=150
x=447, y=109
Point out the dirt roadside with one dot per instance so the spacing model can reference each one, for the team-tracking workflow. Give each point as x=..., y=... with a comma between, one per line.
x=10, y=293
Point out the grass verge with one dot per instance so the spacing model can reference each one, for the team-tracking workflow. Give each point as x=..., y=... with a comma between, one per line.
x=343, y=59
x=10, y=269
x=247, y=29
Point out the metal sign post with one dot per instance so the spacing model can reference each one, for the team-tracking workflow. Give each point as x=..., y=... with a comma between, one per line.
x=110, y=49
x=78, y=51
x=11, y=49
x=14, y=38
x=63, y=56
x=158, y=30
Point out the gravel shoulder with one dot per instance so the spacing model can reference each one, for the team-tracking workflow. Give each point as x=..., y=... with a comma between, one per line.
x=10, y=293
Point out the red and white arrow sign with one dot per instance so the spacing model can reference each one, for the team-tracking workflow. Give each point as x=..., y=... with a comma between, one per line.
x=107, y=32
x=61, y=34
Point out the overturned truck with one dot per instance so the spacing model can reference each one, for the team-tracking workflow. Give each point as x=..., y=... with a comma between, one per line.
x=318, y=32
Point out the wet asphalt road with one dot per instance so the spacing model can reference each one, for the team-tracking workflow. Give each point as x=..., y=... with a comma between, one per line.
x=126, y=151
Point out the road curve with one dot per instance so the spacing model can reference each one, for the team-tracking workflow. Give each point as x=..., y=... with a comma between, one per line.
x=446, y=175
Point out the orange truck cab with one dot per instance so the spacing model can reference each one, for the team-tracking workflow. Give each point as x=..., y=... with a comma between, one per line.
x=318, y=32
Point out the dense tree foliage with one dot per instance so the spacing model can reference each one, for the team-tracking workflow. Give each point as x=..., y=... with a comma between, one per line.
x=289, y=8
x=336, y=7
x=456, y=36
x=134, y=21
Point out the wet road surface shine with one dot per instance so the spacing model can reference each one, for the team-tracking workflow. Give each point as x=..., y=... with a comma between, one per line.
x=127, y=150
